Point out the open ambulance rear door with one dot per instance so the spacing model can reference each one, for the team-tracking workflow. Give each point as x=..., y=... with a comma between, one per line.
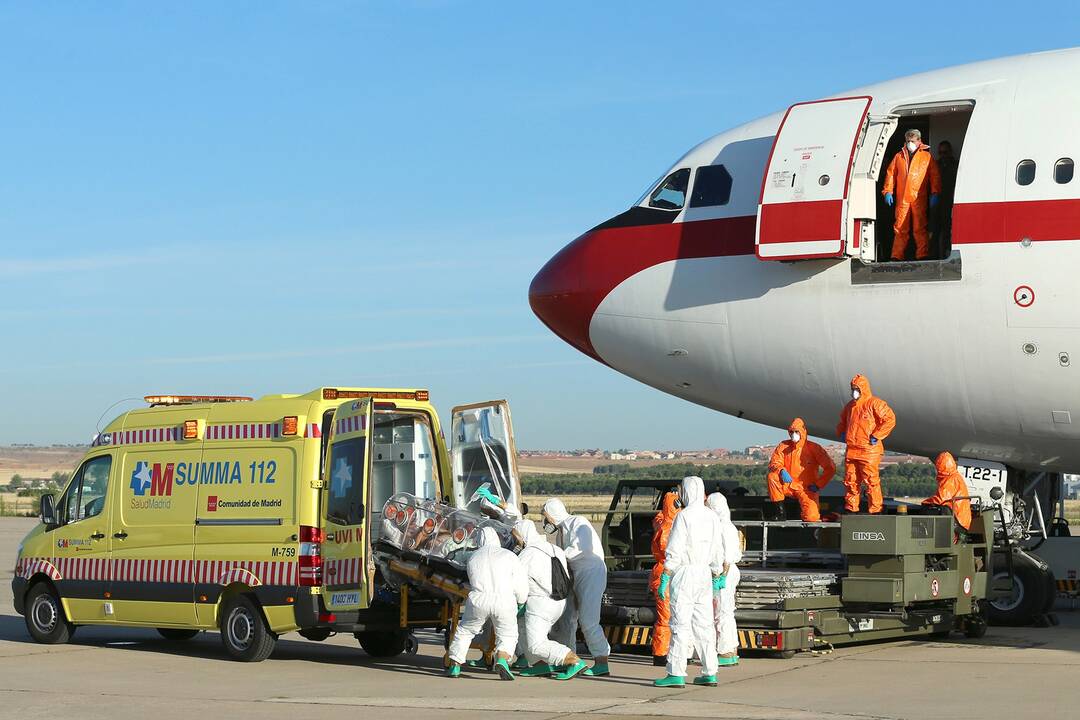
x=483, y=454
x=347, y=573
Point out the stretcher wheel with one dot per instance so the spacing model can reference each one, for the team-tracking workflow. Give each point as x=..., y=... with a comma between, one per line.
x=412, y=645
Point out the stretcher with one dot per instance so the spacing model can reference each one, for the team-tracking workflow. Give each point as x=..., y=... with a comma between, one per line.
x=422, y=552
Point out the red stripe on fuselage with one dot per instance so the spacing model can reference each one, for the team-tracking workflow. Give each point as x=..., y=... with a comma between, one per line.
x=1013, y=221
x=570, y=287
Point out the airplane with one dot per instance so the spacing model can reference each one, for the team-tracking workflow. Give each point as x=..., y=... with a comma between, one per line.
x=755, y=277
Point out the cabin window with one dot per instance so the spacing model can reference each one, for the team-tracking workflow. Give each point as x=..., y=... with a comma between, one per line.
x=671, y=193
x=85, y=496
x=1063, y=171
x=1025, y=172
x=712, y=186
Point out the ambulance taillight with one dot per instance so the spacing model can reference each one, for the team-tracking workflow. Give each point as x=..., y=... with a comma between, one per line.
x=310, y=557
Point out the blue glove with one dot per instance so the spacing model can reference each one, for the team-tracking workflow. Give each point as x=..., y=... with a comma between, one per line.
x=661, y=592
x=719, y=583
x=933, y=200
x=873, y=440
x=488, y=495
x=889, y=200
x=786, y=477
x=812, y=488
x=521, y=610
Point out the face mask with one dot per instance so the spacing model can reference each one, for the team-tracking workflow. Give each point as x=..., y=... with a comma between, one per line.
x=549, y=527
x=855, y=394
x=912, y=147
x=795, y=437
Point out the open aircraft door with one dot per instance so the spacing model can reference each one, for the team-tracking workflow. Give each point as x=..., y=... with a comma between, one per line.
x=816, y=189
x=483, y=454
x=347, y=572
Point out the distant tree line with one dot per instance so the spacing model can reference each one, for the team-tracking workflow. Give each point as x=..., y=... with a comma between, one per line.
x=901, y=480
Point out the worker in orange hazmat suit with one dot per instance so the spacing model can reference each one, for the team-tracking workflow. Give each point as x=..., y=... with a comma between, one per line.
x=952, y=491
x=800, y=468
x=912, y=169
x=865, y=421
x=669, y=508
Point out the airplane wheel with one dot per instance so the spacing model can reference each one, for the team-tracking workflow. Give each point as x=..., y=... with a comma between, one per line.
x=1028, y=596
x=1051, y=591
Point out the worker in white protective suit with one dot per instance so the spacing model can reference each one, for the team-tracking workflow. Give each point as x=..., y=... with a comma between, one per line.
x=727, y=634
x=537, y=653
x=585, y=553
x=498, y=587
x=693, y=567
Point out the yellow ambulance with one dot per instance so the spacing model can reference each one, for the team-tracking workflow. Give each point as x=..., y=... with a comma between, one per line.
x=253, y=517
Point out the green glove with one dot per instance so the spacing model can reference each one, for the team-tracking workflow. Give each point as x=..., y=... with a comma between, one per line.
x=661, y=592
x=488, y=495
x=521, y=610
x=719, y=583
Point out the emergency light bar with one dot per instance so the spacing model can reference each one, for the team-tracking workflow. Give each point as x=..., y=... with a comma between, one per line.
x=335, y=394
x=189, y=399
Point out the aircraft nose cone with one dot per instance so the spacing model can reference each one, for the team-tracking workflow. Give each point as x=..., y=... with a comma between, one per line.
x=558, y=297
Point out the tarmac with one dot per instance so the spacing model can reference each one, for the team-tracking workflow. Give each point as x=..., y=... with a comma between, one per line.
x=121, y=673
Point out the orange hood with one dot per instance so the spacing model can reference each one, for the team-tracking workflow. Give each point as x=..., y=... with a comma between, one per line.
x=860, y=382
x=667, y=505
x=945, y=464
x=797, y=425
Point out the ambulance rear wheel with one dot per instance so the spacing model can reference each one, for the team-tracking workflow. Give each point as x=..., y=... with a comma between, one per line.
x=383, y=643
x=176, y=634
x=45, y=618
x=244, y=632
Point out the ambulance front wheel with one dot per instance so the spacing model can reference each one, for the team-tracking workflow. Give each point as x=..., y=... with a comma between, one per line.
x=45, y=617
x=244, y=631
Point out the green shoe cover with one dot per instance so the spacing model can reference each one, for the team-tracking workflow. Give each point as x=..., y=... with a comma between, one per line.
x=453, y=671
x=538, y=670
x=670, y=681
x=521, y=663
x=503, y=668
x=733, y=660
x=571, y=671
x=598, y=670
x=708, y=680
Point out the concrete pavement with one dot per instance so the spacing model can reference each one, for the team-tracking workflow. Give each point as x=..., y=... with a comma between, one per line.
x=121, y=673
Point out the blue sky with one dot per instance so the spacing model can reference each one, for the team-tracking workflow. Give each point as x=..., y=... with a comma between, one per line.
x=254, y=197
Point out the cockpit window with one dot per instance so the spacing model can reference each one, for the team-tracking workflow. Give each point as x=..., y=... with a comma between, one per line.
x=671, y=193
x=712, y=186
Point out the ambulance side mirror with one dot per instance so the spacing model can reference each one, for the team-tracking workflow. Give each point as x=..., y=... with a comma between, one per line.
x=48, y=510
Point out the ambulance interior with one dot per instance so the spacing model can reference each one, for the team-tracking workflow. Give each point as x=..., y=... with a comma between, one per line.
x=403, y=457
x=937, y=123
